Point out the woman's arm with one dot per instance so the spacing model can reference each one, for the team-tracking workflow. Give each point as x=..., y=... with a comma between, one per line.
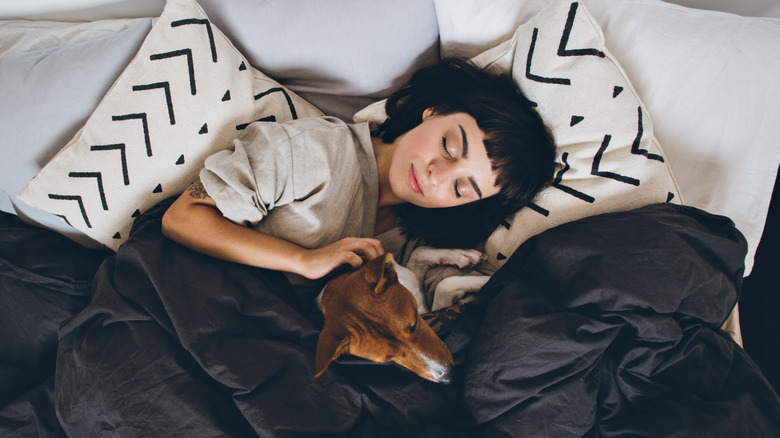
x=194, y=221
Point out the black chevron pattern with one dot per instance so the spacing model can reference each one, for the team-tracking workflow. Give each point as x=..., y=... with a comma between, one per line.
x=635, y=146
x=78, y=200
x=243, y=126
x=563, y=49
x=98, y=176
x=166, y=88
x=144, y=127
x=293, y=112
x=535, y=207
x=209, y=32
x=529, y=64
x=190, y=64
x=119, y=147
x=272, y=118
x=558, y=182
x=596, y=170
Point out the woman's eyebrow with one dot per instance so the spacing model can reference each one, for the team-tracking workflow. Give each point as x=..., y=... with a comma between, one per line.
x=476, y=187
x=465, y=142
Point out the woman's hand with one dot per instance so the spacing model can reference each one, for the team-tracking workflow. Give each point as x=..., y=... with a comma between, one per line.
x=353, y=251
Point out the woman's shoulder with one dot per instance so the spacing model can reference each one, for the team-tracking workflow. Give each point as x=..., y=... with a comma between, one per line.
x=321, y=124
x=324, y=129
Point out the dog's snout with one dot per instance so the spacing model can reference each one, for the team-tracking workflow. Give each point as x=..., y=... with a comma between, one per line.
x=441, y=373
x=445, y=376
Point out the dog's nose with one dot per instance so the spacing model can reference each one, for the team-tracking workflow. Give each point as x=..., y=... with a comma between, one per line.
x=444, y=375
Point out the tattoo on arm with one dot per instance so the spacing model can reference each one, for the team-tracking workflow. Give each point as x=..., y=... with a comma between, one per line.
x=197, y=190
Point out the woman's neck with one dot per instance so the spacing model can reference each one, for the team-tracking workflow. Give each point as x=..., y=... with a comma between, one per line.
x=384, y=156
x=386, y=217
x=386, y=220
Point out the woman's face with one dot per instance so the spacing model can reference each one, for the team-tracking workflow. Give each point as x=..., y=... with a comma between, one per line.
x=442, y=162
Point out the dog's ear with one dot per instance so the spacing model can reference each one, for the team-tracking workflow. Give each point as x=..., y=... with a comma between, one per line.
x=330, y=346
x=380, y=272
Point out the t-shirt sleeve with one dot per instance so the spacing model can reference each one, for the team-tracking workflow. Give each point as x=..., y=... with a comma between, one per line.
x=253, y=176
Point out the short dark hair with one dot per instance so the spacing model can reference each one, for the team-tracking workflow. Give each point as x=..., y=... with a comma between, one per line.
x=519, y=146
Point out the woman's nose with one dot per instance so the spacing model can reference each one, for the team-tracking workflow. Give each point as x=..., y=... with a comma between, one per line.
x=437, y=173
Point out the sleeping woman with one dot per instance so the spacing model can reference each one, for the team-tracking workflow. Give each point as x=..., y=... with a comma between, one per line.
x=460, y=150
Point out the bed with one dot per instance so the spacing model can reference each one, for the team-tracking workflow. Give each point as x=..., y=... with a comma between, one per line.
x=633, y=297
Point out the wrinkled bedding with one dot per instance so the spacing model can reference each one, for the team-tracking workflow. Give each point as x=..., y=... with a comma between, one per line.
x=606, y=326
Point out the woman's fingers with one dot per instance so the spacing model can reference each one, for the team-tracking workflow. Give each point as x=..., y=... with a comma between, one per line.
x=369, y=248
x=348, y=251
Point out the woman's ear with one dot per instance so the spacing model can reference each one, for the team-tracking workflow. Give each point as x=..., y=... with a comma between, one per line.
x=428, y=112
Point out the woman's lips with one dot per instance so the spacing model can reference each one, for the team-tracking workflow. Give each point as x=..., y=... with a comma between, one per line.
x=413, y=181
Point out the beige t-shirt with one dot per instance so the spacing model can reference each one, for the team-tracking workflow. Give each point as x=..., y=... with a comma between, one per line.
x=310, y=181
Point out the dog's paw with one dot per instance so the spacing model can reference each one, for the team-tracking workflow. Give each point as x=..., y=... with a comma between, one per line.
x=457, y=290
x=462, y=258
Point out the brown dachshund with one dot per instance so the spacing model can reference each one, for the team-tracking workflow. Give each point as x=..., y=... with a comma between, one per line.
x=369, y=314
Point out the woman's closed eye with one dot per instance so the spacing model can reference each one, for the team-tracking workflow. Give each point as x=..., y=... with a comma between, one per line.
x=445, y=149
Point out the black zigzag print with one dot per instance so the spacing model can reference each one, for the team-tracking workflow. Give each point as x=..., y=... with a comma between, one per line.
x=635, y=149
x=190, y=64
x=272, y=118
x=98, y=180
x=122, y=155
x=562, y=50
x=61, y=216
x=566, y=189
x=293, y=113
x=243, y=126
x=611, y=175
x=166, y=87
x=144, y=125
x=209, y=32
x=529, y=63
x=78, y=200
x=543, y=211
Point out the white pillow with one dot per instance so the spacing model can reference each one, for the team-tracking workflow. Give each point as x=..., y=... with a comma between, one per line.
x=706, y=77
x=186, y=94
x=608, y=157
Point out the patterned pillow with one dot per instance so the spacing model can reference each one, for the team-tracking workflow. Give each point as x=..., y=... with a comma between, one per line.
x=608, y=157
x=186, y=94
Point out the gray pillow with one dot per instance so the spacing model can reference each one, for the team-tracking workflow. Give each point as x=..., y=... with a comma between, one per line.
x=339, y=55
x=45, y=98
